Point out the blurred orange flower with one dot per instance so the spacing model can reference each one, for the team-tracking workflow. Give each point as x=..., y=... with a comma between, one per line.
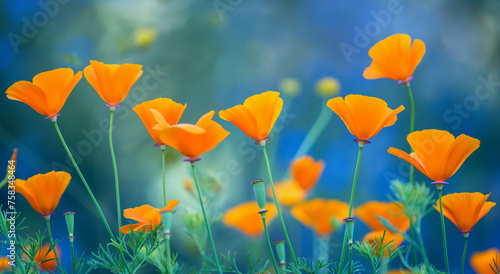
x=257, y=115
x=147, y=216
x=481, y=261
x=43, y=254
x=169, y=111
x=376, y=237
x=370, y=211
x=48, y=92
x=192, y=140
x=465, y=209
x=438, y=155
x=4, y=264
x=245, y=218
x=364, y=116
x=321, y=215
x=112, y=82
x=305, y=174
x=395, y=58
x=43, y=191
x=399, y=271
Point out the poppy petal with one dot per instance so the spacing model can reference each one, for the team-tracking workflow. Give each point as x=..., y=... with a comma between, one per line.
x=461, y=148
x=265, y=108
x=31, y=95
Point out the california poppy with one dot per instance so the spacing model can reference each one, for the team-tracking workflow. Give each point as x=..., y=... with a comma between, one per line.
x=395, y=58
x=370, y=211
x=438, y=155
x=257, y=115
x=4, y=264
x=48, y=91
x=43, y=191
x=320, y=215
x=147, y=217
x=399, y=271
x=245, y=218
x=480, y=261
x=364, y=116
x=112, y=82
x=192, y=140
x=288, y=192
x=390, y=239
x=465, y=209
x=167, y=109
x=48, y=258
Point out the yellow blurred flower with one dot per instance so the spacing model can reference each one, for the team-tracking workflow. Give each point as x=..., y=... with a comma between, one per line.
x=144, y=37
x=290, y=86
x=327, y=87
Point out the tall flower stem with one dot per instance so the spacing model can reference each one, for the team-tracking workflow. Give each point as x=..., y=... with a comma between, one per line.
x=292, y=253
x=47, y=218
x=422, y=247
x=163, y=172
x=353, y=190
x=316, y=129
x=115, y=170
x=275, y=264
x=84, y=181
x=412, y=169
x=443, y=230
x=73, y=261
x=170, y=267
x=207, y=225
x=466, y=236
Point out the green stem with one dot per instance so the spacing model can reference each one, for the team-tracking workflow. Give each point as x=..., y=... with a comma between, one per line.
x=350, y=260
x=463, y=255
x=422, y=247
x=353, y=190
x=115, y=171
x=169, y=259
x=316, y=129
x=412, y=169
x=344, y=241
x=275, y=264
x=163, y=170
x=47, y=218
x=414, y=252
x=84, y=181
x=292, y=253
x=207, y=225
x=73, y=262
x=443, y=230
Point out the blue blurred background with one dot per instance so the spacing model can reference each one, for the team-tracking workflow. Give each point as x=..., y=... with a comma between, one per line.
x=214, y=54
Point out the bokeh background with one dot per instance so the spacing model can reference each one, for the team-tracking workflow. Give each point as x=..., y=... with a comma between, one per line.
x=214, y=54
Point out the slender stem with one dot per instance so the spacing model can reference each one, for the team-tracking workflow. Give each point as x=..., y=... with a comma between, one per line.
x=353, y=190
x=412, y=169
x=115, y=171
x=443, y=229
x=422, y=247
x=350, y=260
x=414, y=252
x=163, y=170
x=47, y=218
x=207, y=225
x=275, y=264
x=169, y=259
x=292, y=253
x=463, y=255
x=316, y=129
x=344, y=241
x=73, y=262
x=84, y=182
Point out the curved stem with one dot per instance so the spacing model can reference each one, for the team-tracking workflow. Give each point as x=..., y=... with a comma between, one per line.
x=422, y=247
x=207, y=225
x=275, y=264
x=163, y=170
x=84, y=182
x=47, y=218
x=292, y=253
x=115, y=171
x=443, y=230
x=463, y=255
x=316, y=129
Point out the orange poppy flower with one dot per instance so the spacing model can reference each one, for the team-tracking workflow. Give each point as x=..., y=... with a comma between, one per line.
x=169, y=110
x=191, y=140
x=306, y=172
x=481, y=261
x=288, y=192
x=147, y=217
x=257, y=115
x=4, y=264
x=399, y=271
x=438, y=155
x=112, y=82
x=374, y=237
x=364, y=116
x=465, y=209
x=370, y=211
x=245, y=218
x=43, y=191
x=48, y=92
x=395, y=58
x=320, y=215
x=44, y=255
